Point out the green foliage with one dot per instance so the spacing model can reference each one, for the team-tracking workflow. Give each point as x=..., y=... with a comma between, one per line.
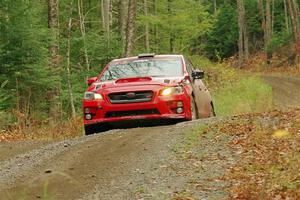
x=222, y=39
x=277, y=41
x=183, y=21
x=254, y=25
x=24, y=53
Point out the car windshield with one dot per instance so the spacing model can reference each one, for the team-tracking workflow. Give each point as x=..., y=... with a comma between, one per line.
x=155, y=67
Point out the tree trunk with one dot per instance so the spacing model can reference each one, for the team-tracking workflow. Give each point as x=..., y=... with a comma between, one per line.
x=293, y=19
x=106, y=18
x=155, y=27
x=83, y=32
x=273, y=17
x=172, y=37
x=268, y=32
x=263, y=22
x=73, y=112
x=123, y=20
x=147, y=43
x=268, y=22
x=130, y=28
x=296, y=16
x=242, y=42
x=245, y=34
x=53, y=24
x=287, y=22
x=214, y=2
x=89, y=24
x=293, y=11
x=18, y=101
x=54, y=28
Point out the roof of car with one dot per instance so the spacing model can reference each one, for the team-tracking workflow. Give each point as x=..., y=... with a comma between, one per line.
x=143, y=57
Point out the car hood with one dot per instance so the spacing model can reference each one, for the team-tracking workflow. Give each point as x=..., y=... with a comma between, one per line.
x=139, y=83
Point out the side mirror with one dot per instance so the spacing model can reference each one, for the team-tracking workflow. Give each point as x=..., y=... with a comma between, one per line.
x=198, y=74
x=92, y=80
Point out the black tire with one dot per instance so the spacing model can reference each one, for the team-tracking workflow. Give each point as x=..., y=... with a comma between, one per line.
x=96, y=128
x=194, y=109
x=89, y=129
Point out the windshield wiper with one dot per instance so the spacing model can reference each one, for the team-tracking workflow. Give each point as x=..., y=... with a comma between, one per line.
x=110, y=75
x=157, y=76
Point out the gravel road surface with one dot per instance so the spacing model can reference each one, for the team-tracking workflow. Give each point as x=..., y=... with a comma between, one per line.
x=136, y=163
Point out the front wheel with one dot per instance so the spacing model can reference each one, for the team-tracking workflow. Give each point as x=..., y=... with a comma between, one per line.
x=89, y=129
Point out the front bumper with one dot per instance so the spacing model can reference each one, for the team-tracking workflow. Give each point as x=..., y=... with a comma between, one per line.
x=160, y=107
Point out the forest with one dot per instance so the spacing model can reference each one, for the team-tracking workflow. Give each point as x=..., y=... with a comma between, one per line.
x=48, y=48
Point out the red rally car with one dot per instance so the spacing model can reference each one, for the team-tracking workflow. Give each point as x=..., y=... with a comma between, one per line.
x=148, y=86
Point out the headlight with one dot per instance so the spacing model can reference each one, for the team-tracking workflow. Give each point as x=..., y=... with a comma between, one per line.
x=171, y=91
x=166, y=92
x=92, y=96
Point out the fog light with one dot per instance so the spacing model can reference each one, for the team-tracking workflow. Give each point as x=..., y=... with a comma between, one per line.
x=87, y=110
x=179, y=110
x=179, y=104
x=88, y=116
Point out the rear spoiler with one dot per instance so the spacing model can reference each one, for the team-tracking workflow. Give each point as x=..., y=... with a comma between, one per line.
x=146, y=55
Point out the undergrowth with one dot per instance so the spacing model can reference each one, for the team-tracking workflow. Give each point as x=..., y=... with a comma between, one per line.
x=62, y=130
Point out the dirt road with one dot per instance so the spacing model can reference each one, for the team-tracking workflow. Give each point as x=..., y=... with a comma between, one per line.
x=112, y=165
x=137, y=163
x=286, y=90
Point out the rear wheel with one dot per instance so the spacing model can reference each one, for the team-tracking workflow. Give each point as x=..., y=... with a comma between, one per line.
x=194, y=109
x=212, y=111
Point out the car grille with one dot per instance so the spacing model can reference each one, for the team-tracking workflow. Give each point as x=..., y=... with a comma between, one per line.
x=130, y=97
x=131, y=113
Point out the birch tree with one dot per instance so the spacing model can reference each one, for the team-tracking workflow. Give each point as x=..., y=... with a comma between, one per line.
x=83, y=33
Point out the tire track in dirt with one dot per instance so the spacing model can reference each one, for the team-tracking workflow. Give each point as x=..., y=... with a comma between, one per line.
x=286, y=90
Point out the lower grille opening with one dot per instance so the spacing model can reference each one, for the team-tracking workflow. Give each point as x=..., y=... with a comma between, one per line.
x=131, y=113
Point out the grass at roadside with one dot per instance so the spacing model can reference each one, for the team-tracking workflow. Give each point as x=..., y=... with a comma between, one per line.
x=234, y=91
x=247, y=95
